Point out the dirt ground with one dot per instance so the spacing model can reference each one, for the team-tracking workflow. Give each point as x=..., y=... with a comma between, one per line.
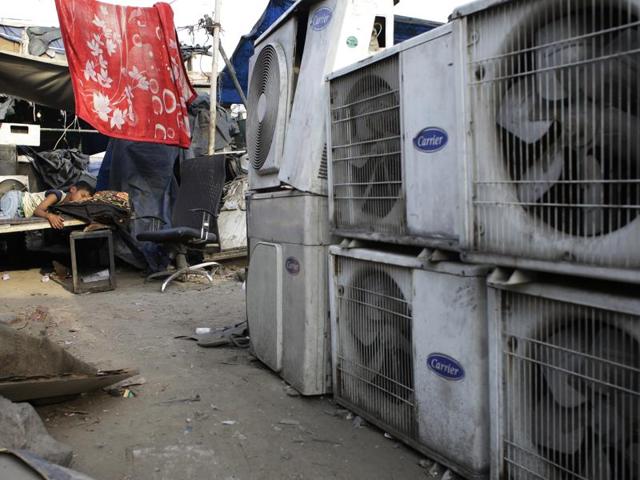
x=202, y=413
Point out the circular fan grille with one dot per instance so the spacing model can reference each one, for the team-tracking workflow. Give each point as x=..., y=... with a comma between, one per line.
x=11, y=184
x=376, y=174
x=377, y=339
x=568, y=119
x=263, y=104
x=583, y=402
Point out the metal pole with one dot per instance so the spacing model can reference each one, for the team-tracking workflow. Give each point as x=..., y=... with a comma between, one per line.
x=233, y=75
x=213, y=92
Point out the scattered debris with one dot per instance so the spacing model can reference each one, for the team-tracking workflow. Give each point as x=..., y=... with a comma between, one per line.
x=195, y=398
x=34, y=368
x=289, y=422
x=436, y=470
x=449, y=475
x=426, y=463
x=21, y=427
x=6, y=276
x=359, y=422
x=290, y=391
x=229, y=422
x=27, y=465
x=169, y=461
x=386, y=435
x=239, y=436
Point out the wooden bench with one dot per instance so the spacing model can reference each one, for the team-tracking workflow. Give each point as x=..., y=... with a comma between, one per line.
x=14, y=225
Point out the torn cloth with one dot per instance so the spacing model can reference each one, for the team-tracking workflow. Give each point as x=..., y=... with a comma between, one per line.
x=128, y=77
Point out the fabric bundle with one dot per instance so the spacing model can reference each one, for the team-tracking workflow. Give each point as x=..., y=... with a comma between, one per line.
x=128, y=77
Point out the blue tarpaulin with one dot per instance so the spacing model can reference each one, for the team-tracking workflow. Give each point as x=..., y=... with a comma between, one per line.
x=405, y=28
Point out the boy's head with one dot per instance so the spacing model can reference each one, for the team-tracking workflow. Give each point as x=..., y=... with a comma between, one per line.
x=80, y=191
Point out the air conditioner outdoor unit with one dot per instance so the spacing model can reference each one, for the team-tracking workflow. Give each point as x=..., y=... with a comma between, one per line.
x=286, y=137
x=554, y=104
x=565, y=380
x=396, y=171
x=13, y=182
x=410, y=351
x=287, y=299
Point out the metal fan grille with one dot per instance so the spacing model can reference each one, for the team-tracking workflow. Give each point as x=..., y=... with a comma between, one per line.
x=374, y=362
x=564, y=99
x=570, y=391
x=263, y=105
x=366, y=149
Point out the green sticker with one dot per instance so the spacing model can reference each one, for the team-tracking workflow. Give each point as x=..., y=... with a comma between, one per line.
x=352, y=42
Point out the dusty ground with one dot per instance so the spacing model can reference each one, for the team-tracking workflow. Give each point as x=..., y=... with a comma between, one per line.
x=242, y=424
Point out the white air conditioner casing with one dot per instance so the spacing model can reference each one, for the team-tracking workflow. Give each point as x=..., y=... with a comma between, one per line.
x=410, y=351
x=565, y=379
x=287, y=299
x=311, y=40
x=395, y=150
x=13, y=182
x=553, y=120
x=19, y=134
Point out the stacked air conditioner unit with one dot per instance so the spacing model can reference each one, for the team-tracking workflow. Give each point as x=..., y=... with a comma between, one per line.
x=565, y=363
x=554, y=150
x=410, y=351
x=395, y=145
x=287, y=300
x=553, y=155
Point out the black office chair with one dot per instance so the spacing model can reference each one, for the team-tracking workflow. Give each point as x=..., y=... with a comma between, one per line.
x=194, y=218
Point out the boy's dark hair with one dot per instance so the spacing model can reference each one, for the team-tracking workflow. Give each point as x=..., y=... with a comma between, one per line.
x=82, y=185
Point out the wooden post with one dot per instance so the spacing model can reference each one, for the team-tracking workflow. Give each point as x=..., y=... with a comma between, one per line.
x=213, y=92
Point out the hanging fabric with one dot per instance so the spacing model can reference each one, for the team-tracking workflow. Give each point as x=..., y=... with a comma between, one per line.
x=128, y=77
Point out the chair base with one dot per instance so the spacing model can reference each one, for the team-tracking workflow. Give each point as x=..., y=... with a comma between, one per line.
x=199, y=270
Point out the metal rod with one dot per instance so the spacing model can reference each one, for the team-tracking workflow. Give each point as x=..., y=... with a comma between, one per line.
x=69, y=130
x=213, y=97
x=234, y=76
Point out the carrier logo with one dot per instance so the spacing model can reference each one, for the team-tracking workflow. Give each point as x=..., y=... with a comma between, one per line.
x=445, y=367
x=321, y=18
x=292, y=265
x=431, y=139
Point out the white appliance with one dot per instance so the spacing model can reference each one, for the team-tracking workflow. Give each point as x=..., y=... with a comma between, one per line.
x=395, y=149
x=13, y=182
x=554, y=115
x=19, y=134
x=286, y=137
x=565, y=379
x=287, y=299
x=410, y=351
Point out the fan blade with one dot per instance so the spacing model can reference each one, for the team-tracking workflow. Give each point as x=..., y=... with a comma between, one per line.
x=598, y=464
x=517, y=114
x=541, y=176
x=616, y=80
x=590, y=174
x=618, y=349
x=554, y=78
x=609, y=423
x=561, y=384
x=556, y=428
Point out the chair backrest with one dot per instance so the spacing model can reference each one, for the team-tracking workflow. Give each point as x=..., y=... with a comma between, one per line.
x=201, y=183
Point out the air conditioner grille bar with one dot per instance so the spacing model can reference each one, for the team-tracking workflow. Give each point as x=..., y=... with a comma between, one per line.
x=570, y=390
x=555, y=113
x=374, y=358
x=367, y=149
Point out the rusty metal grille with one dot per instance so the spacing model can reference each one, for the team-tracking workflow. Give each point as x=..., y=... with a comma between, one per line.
x=366, y=149
x=556, y=108
x=374, y=341
x=570, y=391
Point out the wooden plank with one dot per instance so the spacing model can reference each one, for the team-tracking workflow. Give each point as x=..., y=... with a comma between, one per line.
x=19, y=225
x=226, y=255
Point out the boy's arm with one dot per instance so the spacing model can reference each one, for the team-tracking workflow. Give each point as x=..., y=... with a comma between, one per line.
x=56, y=221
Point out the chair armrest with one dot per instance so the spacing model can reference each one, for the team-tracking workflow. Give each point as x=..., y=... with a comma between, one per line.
x=206, y=222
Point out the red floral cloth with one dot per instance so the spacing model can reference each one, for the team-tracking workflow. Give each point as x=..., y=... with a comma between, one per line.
x=128, y=76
